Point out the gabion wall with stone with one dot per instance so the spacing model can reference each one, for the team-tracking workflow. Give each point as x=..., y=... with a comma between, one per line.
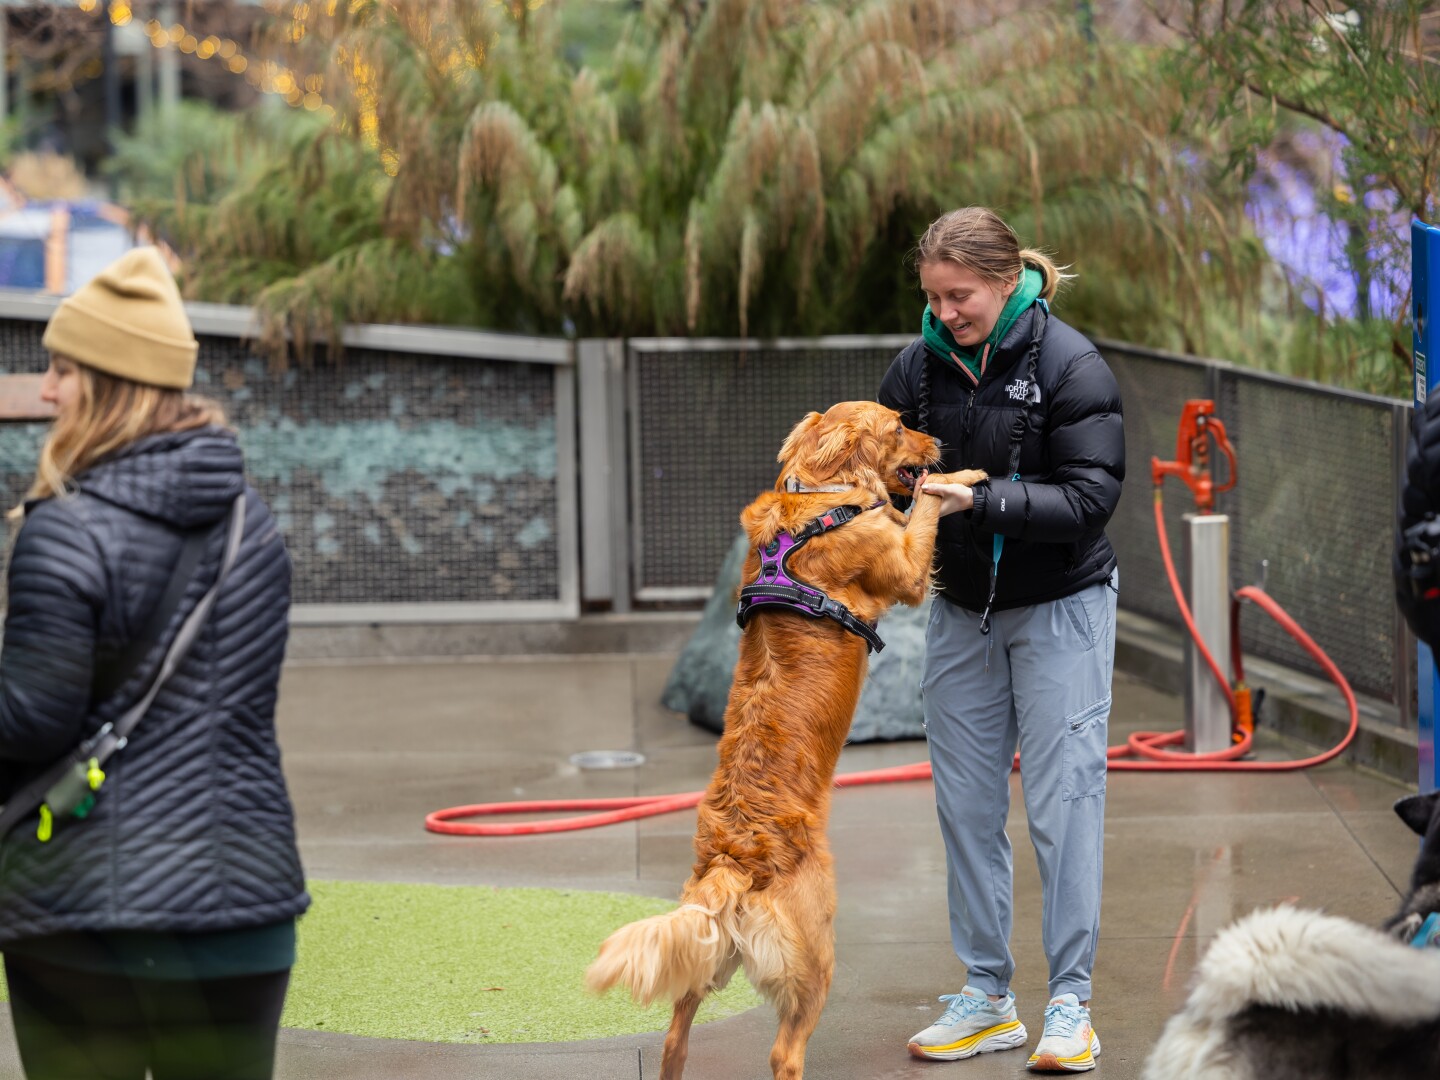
x=395, y=477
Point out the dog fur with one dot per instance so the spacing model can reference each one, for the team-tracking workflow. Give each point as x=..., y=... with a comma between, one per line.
x=762, y=890
x=1286, y=993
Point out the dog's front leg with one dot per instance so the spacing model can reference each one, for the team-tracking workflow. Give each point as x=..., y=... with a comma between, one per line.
x=903, y=573
x=906, y=578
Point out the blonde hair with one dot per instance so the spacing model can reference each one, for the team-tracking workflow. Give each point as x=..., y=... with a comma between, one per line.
x=110, y=413
x=982, y=243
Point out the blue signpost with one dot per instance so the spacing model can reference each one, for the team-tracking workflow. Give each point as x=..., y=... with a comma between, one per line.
x=1425, y=282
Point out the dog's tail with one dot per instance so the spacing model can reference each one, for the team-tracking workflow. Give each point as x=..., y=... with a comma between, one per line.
x=690, y=950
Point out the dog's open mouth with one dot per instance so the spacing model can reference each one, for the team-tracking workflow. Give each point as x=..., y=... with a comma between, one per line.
x=909, y=474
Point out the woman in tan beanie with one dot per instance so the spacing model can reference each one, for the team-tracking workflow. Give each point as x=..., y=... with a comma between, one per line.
x=147, y=910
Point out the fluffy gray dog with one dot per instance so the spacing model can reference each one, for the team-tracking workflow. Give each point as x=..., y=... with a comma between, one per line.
x=1288, y=994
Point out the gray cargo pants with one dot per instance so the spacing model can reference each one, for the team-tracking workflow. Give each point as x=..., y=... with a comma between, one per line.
x=1048, y=689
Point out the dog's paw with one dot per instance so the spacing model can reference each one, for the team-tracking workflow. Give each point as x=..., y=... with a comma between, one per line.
x=968, y=477
x=1405, y=928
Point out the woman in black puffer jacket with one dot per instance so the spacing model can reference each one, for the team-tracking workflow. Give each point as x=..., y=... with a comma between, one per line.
x=159, y=931
x=1020, y=646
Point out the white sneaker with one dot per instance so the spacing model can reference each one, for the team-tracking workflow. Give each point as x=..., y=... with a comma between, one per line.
x=971, y=1024
x=1069, y=1043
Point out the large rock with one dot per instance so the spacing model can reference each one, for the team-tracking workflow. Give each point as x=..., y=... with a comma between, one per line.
x=889, y=708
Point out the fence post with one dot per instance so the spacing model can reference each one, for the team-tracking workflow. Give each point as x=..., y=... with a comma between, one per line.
x=604, y=509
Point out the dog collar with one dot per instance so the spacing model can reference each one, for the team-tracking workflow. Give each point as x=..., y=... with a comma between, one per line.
x=794, y=487
x=1429, y=933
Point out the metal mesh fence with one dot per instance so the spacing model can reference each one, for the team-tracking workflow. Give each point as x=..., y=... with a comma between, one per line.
x=395, y=477
x=706, y=424
x=1315, y=495
x=1315, y=501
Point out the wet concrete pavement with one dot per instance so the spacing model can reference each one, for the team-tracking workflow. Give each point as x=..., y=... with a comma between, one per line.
x=370, y=749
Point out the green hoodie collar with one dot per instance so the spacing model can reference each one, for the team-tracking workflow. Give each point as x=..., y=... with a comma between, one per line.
x=942, y=343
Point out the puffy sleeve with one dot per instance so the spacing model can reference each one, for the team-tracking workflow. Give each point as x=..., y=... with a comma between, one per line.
x=57, y=588
x=1419, y=497
x=1085, y=437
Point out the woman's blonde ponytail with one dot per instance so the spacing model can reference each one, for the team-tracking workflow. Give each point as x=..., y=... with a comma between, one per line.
x=1052, y=276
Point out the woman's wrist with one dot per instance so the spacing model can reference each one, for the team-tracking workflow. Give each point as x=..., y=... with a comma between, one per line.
x=954, y=498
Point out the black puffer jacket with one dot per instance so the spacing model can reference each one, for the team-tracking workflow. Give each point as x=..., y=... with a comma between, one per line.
x=1072, y=461
x=193, y=829
x=1421, y=496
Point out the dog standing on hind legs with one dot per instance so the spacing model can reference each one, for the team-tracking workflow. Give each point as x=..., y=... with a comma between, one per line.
x=830, y=555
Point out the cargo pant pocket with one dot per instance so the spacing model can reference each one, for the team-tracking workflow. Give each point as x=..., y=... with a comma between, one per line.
x=1082, y=756
x=1085, y=610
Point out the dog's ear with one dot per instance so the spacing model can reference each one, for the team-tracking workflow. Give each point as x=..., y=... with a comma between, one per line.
x=832, y=449
x=797, y=442
x=1418, y=811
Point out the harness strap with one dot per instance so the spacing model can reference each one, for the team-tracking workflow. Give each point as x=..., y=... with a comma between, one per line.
x=815, y=602
x=797, y=595
x=811, y=598
x=845, y=618
x=831, y=519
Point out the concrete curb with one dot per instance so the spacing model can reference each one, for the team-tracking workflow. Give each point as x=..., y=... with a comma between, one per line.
x=601, y=634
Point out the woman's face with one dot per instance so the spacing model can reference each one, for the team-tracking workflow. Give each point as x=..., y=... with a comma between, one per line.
x=60, y=385
x=966, y=303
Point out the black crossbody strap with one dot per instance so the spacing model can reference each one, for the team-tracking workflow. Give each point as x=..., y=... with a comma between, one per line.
x=113, y=674
x=189, y=630
x=112, y=737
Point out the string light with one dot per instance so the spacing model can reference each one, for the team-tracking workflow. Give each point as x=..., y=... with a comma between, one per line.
x=266, y=76
x=271, y=77
x=120, y=11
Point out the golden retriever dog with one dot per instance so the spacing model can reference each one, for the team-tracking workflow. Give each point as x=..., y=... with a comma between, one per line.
x=762, y=892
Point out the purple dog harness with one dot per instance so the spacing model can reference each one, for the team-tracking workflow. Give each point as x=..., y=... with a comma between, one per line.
x=776, y=586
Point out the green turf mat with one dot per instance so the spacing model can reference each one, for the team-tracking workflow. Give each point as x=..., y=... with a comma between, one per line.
x=469, y=964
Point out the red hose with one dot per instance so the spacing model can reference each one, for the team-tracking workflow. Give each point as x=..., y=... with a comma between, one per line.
x=1149, y=745
x=613, y=811
x=616, y=810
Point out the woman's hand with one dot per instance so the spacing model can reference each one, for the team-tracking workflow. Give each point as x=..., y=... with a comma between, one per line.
x=953, y=497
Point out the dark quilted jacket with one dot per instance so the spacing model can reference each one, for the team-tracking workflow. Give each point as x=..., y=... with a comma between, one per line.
x=193, y=829
x=1072, y=461
x=1420, y=496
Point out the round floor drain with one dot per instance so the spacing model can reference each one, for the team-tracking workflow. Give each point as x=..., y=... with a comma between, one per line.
x=607, y=759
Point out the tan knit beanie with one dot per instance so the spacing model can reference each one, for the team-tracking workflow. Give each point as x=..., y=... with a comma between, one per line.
x=128, y=321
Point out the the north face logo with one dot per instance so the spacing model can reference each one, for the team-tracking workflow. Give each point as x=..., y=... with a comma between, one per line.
x=1018, y=389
